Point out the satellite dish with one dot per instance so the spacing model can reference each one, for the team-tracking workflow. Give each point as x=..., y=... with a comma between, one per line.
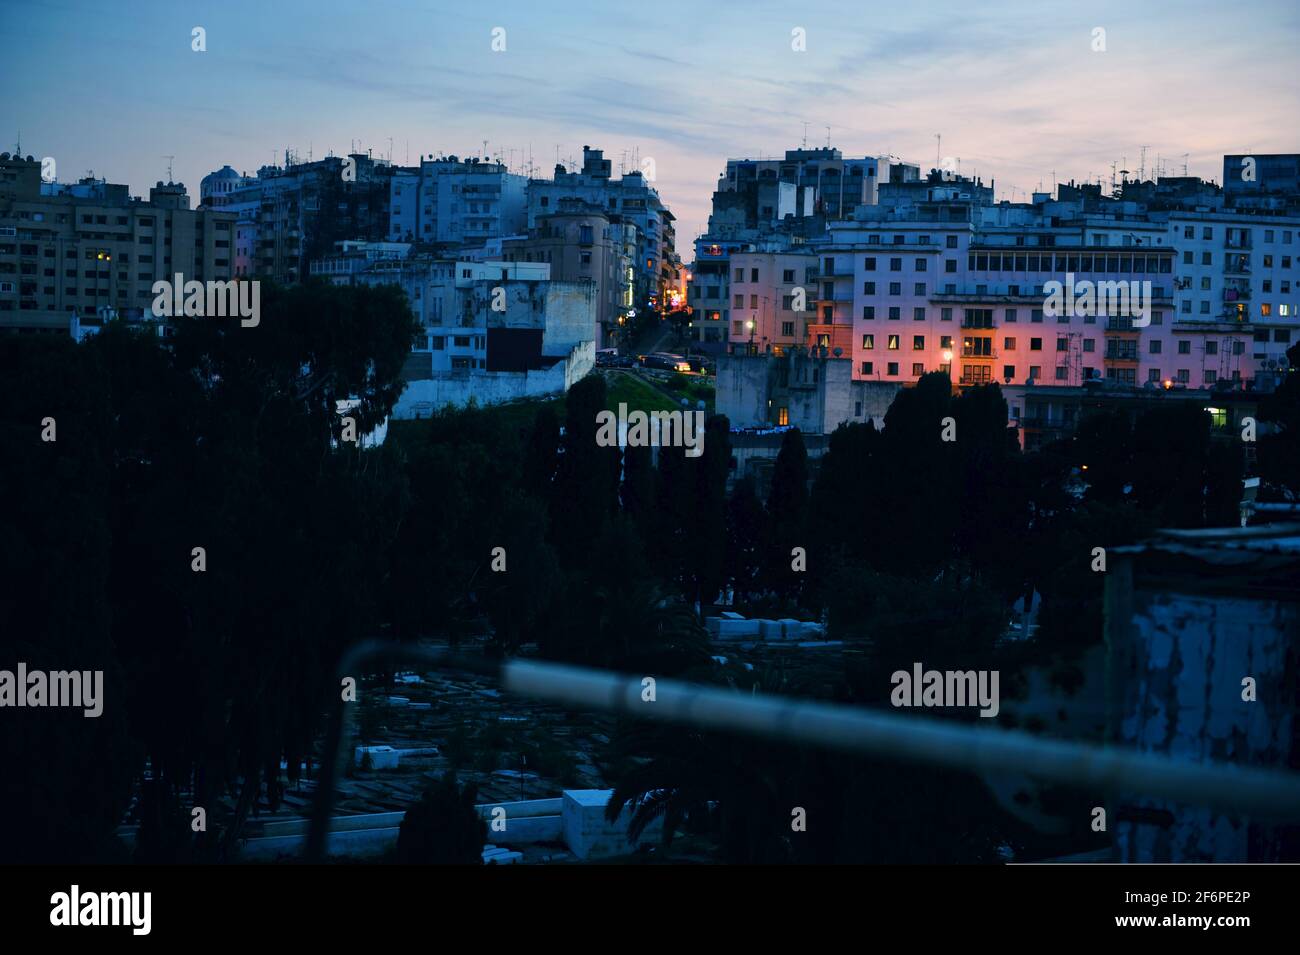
x=838, y=352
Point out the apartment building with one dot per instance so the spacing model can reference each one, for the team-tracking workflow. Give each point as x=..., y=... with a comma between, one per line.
x=75, y=255
x=292, y=215
x=457, y=202
x=629, y=199
x=948, y=281
x=581, y=242
x=756, y=193
x=771, y=206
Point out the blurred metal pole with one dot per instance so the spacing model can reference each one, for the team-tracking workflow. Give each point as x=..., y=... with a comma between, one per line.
x=1261, y=793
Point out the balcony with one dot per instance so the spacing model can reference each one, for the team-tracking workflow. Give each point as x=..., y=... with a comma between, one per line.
x=1237, y=242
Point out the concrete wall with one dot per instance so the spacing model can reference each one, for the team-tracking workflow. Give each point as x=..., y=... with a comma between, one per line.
x=818, y=393
x=1187, y=621
x=422, y=397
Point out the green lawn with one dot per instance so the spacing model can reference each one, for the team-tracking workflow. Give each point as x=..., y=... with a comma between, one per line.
x=621, y=386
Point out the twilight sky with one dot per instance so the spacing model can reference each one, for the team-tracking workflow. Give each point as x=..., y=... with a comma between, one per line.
x=1014, y=88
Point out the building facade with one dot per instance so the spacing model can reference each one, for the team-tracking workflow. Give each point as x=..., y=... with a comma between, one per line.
x=75, y=255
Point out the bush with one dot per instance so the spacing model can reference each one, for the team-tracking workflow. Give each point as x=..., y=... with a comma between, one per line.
x=443, y=828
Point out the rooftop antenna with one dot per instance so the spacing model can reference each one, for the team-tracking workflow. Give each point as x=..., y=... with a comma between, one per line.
x=169, y=167
x=1142, y=167
x=1185, y=157
x=485, y=150
x=805, y=136
x=938, y=148
x=390, y=148
x=828, y=137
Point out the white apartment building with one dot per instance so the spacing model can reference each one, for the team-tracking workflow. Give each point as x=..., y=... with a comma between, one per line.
x=960, y=287
x=448, y=200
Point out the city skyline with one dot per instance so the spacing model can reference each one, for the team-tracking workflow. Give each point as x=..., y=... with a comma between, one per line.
x=654, y=83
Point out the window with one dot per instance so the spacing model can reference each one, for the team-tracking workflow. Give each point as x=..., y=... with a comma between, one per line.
x=869, y=264
x=868, y=342
x=892, y=368
x=753, y=275
x=1062, y=373
x=920, y=265
x=895, y=265
x=1184, y=347
x=867, y=368
x=1009, y=344
x=1035, y=344
x=950, y=265
x=787, y=276
x=1090, y=344
x=1154, y=347
x=740, y=276
x=895, y=288
x=1008, y=372
x=1009, y=315
x=918, y=343
x=892, y=345
x=918, y=314
x=869, y=312
x=787, y=329
x=895, y=313
x=918, y=368
x=918, y=288
x=868, y=288
x=1062, y=344
x=1211, y=348
x=951, y=241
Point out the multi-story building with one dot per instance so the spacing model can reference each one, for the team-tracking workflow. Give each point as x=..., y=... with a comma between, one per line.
x=491, y=330
x=581, y=242
x=1266, y=182
x=770, y=205
x=75, y=255
x=757, y=193
x=948, y=281
x=457, y=202
x=292, y=215
x=633, y=201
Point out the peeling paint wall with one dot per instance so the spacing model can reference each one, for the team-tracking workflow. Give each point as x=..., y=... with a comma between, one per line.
x=1178, y=661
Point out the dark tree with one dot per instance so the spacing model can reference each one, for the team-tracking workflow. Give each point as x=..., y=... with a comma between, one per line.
x=443, y=828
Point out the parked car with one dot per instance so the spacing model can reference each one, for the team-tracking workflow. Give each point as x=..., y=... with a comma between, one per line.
x=665, y=362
